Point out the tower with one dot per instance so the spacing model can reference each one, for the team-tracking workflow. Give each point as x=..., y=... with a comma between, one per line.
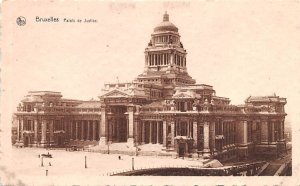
x=165, y=59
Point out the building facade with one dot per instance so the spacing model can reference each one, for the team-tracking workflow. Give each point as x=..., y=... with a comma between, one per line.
x=163, y=105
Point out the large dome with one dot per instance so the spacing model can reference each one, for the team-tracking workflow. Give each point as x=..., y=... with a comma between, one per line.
x=166, y=25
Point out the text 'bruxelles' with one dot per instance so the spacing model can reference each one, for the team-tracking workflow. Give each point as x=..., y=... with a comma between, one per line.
x=64, y=20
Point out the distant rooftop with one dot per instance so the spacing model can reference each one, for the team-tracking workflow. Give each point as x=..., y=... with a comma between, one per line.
x=89, y=104
x=272, y=98
x=40, y=93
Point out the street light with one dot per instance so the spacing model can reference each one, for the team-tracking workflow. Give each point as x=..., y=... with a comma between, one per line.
x=132, y=163
x=85, y=165
x=107, y=147
x=42, y=163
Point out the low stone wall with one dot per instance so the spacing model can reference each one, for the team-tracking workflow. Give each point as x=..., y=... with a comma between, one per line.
x=133, y=152
x=247, y=170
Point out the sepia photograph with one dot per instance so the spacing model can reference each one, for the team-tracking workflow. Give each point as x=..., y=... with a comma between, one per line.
x=150, y=92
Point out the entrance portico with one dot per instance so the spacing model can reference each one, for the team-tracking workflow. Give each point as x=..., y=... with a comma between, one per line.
x=120, y=110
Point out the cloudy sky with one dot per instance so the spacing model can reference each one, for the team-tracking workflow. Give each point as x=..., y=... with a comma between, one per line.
x=241, y=48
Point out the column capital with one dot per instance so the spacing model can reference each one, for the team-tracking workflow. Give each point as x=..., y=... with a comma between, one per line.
x=130, y=108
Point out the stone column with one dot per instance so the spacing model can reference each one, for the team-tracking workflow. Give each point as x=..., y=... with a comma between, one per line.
x=264, y=131
x=212, y=134
x=188, y=129
x=176, y=128
x=157, y=132
x=171, y=59
x=164, y=133
x=273, y=131
x=245, y=141
x=130, y=140
x=44, y=133
x=172, y=133
x=65, y=124
x=283, y=128
x=88, y=130
x=21, y=131
x=195, y=134
x=114, y=132
x=102, y=132
x=22, y=128
x=18, y=130
x=94, y=129
x=35, y=131
x=119, y=124
x=206, y=138
x=143, y=132
x=150, y=131
x=82, y=123
x=110, y=129
x=71, y=130
x=76, y=130
x=51, y=132
x=278, y=130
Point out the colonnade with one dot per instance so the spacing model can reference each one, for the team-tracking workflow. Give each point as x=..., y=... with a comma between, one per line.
x=165, y=59
x=272, y=130
x=163, y=132
x=152, y=132
x=158, y=59
x=84, y=130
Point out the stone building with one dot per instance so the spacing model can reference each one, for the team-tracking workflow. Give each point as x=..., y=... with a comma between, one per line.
x=163, y=106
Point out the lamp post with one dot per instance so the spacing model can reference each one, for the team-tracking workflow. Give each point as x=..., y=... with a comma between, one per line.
x=85, y=165
x=132, y=163
x=42, y=162
x=107, y=147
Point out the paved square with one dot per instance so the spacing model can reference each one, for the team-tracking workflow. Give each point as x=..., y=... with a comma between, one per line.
x=67, y=166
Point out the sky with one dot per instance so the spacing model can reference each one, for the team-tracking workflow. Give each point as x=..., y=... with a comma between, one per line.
x=241, y=48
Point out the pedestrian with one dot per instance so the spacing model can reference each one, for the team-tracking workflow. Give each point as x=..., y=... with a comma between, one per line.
x=39, y=155
x=119, y=157
x=50, y=163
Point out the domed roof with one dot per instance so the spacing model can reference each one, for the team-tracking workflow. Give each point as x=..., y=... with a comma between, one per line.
x=166, y=25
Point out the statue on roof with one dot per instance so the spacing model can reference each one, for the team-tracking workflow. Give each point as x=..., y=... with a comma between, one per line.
x=181, y=45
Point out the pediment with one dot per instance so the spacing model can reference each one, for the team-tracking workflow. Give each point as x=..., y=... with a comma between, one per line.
x=115, y=94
